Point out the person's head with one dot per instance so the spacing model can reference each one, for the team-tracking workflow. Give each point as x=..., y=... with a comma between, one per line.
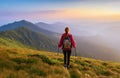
x=67, y=30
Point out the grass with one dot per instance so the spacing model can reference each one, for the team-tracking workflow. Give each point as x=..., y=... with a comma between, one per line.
x=26, y=61
x=38, y=72
x=10, y=43
x=45, y=59
x=74, y=74
x=29, y=63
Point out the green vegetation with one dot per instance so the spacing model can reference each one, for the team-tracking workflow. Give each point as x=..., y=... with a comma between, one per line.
x=29, y=38
x=20, y=61
x=45, y=59
x=5, y=42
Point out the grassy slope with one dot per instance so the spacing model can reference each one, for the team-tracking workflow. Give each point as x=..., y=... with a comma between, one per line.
x=30, y=38
x=17, y=61
x=5, y=42
x=26, y=63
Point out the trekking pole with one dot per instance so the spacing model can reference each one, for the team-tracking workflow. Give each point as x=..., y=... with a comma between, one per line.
x=58, y=51
x=75, y=53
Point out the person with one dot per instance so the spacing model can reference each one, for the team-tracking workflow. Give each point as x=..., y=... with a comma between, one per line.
x=67, y=42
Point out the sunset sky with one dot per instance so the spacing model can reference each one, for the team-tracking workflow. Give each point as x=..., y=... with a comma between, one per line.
x=58, y=10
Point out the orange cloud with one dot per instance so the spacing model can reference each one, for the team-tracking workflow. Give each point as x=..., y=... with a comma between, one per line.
x=91, y=13
x=82, y=13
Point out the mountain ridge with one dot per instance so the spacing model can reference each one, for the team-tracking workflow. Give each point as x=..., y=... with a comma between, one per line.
x=24, y=23
x=30, y=38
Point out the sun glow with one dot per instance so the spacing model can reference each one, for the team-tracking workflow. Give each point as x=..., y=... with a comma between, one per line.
x=90, y=13
x=81, y=13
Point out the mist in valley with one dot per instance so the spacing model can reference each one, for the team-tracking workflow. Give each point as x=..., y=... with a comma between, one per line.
x=99, y=40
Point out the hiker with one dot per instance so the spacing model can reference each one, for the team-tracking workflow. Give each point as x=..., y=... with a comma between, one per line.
x=67, y=42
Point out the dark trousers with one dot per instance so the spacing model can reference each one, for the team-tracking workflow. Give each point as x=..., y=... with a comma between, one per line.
x=67, y=54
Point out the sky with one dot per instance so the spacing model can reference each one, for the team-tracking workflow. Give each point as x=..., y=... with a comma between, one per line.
x=58, y=10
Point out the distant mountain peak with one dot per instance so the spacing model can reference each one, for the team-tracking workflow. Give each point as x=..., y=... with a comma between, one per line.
x=26, y=24
x=42, y=23
x=16, y=24
x=23, y=20
x=19, y=21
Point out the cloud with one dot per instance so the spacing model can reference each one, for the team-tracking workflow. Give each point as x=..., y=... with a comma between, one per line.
x=63, y=14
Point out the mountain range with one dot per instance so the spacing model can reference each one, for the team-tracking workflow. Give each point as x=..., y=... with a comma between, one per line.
x=24, y=23
x=43, y=36
x=29, y=34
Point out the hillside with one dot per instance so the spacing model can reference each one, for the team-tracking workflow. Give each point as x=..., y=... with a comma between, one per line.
x=28, y=25
x=30, y=38
x=16, y=62
x=5, y=42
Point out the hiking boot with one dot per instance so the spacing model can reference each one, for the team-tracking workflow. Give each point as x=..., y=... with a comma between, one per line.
x=68, y=66
x=65, y=65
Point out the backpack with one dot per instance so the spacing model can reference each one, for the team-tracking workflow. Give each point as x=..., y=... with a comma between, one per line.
x=67, y=43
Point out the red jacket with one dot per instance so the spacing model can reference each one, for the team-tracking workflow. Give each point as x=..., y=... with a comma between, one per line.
x=62, y=38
